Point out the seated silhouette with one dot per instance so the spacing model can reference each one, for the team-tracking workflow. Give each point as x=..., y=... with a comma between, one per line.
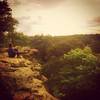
x=12, y=52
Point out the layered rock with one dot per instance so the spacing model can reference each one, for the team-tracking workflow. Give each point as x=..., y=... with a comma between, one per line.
x=21, y=79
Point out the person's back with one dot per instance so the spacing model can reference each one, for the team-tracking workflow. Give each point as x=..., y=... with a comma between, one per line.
x=11, y=52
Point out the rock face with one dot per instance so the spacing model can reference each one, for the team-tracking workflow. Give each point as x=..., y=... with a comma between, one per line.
x=21, y=79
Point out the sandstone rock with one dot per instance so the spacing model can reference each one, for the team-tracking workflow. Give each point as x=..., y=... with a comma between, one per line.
x=23, y=80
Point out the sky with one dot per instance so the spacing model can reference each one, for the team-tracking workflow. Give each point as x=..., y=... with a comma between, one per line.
x=56, y=17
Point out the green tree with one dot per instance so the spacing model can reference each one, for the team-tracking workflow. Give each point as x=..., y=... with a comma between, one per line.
x=73, y=72
x=7, y=22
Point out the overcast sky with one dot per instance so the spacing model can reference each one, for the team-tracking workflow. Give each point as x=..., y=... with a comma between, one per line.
x=57, y=17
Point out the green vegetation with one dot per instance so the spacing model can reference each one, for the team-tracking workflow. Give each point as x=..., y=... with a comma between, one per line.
x=72, y=72
x=70, y=63
x=50, y=47
x=7, y=22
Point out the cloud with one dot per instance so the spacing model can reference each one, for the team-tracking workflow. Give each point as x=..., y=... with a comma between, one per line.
x=55, y=16
x=95, y=22
x=43, y=3
x=94, y=25
x=30, y=20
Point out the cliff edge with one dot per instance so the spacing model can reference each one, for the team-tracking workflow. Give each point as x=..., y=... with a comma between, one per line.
x=21, y=79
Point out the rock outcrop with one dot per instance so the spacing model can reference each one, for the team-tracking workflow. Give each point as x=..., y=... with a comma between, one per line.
x=21, y=79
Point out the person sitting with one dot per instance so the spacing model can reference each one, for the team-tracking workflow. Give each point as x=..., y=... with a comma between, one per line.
x=11, y=51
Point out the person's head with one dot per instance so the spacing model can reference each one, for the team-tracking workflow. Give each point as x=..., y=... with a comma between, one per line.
x=10, y=45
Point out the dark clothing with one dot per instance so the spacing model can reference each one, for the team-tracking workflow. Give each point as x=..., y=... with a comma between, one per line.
x=11, y=52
